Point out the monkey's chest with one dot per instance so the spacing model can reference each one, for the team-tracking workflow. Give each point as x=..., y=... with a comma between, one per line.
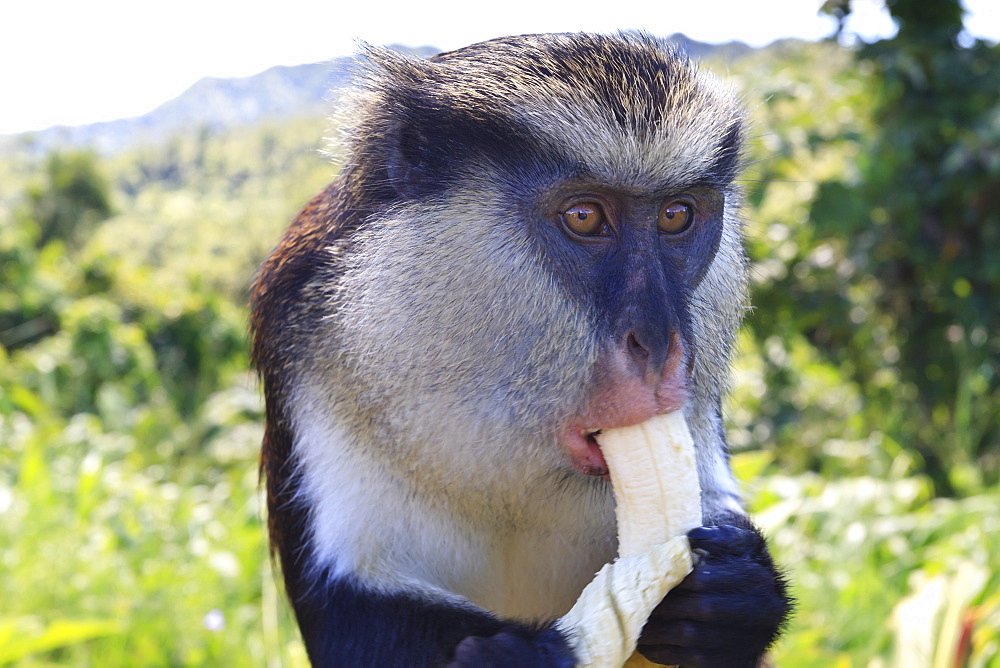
x=537, y=575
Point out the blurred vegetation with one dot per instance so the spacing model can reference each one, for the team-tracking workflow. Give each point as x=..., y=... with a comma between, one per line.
x=71, y=200
x=130, y=529
x=911, y=311
x=864, y=413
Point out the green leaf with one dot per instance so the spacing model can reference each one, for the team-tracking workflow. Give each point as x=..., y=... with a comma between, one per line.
x=18, y=641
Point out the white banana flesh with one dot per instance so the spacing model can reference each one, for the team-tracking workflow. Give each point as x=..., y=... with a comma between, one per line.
x=657, y=501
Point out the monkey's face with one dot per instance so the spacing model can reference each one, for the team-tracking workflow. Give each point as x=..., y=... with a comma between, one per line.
x=541, y=260
x=632, y=258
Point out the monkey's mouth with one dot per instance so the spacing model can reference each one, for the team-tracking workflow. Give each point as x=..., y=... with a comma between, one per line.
x=585, y=453
x=620, y=397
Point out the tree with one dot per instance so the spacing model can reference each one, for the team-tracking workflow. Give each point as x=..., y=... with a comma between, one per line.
x=73, y=198
x=924, y=221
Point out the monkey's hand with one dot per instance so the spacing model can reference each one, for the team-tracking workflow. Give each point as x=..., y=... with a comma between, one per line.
x=515, y=646
x=728, y=610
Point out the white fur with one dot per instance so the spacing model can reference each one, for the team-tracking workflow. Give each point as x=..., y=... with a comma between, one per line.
x=372, y=526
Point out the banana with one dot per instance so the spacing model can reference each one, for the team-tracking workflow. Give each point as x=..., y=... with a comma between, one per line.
x=657, y=500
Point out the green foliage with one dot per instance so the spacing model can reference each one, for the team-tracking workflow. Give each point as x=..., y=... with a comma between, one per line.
x=129, y=427
x=874, y=288
x=124, y=553
x=201, y=213
x=875, y=564
x=916, y=226
x=790, y=394
x=31, y=311
x=72, y=200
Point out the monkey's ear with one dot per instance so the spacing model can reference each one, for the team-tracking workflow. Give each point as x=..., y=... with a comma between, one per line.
x=408, y=160
x=409, y=116
x=407, y=109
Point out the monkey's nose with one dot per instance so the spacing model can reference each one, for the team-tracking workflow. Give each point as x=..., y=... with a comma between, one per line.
x=653, y=358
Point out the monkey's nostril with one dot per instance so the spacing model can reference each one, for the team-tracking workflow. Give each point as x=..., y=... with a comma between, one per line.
x=637, y=352
x=635, y=347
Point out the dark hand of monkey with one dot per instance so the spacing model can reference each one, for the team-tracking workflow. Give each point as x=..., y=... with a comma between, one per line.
x=728, y=611
x=514, y=647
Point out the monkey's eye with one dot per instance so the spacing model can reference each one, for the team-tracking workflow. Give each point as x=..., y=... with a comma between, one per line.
x=585, y=218
x=675, y=217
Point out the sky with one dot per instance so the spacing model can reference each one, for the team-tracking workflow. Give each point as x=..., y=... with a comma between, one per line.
x=67, y=62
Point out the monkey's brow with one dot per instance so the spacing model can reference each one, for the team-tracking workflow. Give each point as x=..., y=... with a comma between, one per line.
x=642, y=185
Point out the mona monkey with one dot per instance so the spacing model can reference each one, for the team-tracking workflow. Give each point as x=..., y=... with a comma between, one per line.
x=531, y=238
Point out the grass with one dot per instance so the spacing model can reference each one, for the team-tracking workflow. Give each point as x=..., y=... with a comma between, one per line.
x=121, y=553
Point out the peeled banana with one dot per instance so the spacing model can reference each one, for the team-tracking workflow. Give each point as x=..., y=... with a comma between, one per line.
x=657, y=501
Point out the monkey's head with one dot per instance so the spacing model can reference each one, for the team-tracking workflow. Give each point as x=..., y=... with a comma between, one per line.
x=538, y=239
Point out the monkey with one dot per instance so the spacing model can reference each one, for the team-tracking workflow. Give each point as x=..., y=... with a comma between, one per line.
x=530, y=239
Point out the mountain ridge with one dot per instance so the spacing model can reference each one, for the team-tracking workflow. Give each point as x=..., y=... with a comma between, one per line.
x=280, y=91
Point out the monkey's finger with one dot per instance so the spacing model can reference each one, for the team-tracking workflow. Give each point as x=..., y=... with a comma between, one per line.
x=672, y=655
x=701, y=608
x=724, y=540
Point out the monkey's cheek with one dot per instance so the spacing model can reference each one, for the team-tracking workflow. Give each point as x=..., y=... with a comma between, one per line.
x=584, y=453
